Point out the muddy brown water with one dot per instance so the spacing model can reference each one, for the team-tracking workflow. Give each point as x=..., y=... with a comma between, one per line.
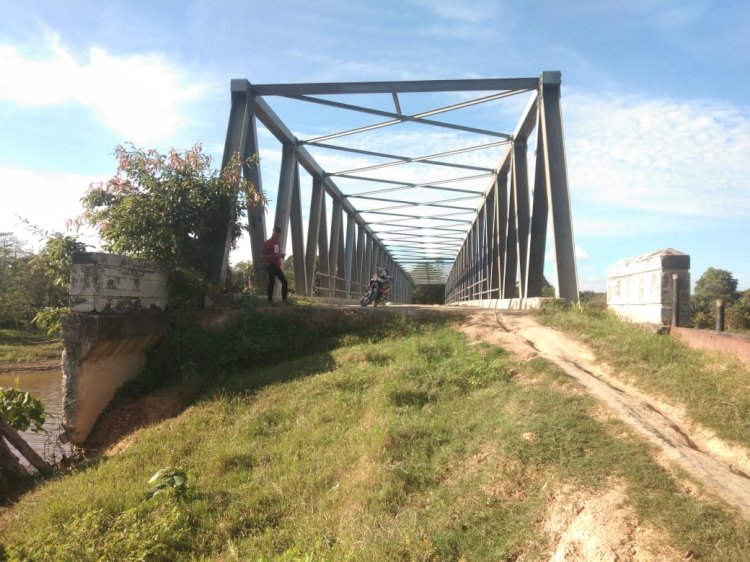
x=47, y=386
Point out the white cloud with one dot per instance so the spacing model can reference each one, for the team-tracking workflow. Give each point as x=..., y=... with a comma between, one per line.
x=477, y=11
x=142, y=97
x=665, y=156
x=46, y=200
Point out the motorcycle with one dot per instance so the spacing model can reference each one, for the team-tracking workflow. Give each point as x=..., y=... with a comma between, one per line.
x=380, y=287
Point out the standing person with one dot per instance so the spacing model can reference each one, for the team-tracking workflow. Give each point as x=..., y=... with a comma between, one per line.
x=272, y=255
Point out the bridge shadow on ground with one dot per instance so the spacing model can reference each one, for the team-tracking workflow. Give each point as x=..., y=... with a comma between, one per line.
x=230, y=351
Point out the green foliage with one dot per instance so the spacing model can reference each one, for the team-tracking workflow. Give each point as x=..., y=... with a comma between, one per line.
x=168, y=480
x=55, y=260
x=738, y=313
x=18, y=292
x=593, y=299
x=713, y=284
x=49, y=319
x=30, y=283
x=242, y=277
x=716, y=284
x=169, y=208
x=21, y=410
x=149, y=531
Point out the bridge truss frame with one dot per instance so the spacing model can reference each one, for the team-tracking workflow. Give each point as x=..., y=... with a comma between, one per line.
x=502, y=251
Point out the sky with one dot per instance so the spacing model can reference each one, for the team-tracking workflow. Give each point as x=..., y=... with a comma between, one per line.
x=655, y=99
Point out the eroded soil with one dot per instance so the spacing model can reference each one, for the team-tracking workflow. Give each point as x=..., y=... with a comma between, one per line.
x=601, y=528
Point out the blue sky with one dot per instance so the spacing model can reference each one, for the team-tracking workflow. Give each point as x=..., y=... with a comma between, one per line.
x=655, y=98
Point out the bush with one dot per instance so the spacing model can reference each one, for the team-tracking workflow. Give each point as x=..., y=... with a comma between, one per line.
x=738, y=314
x=172, y=209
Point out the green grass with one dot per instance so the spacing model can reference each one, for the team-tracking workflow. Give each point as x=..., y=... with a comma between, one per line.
x=714, y=388
x=23, y=346
x=407, y=448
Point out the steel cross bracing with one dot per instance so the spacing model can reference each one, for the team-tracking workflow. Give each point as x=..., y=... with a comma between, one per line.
x=432, y=199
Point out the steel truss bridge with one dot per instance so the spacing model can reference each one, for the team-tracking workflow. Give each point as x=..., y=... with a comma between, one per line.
x=433, y=200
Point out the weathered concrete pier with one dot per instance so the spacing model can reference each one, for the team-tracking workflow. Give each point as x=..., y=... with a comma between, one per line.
x=117, y=316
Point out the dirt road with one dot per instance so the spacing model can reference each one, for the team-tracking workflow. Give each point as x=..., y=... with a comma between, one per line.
x=722, y=468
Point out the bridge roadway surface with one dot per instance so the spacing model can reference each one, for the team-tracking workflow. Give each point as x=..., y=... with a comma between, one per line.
x=723, y=468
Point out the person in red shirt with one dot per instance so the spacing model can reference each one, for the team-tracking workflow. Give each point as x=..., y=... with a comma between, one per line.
x=272, y=255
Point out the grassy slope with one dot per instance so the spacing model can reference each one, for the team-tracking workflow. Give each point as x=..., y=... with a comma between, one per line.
x=714, y=387
x=409, y=448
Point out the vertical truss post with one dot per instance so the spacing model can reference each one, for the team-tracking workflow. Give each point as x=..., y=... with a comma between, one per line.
x=482, y=247
x=557, y=187
x=323, y=251
x=502, y=229
x=341, y=261
x=470, y=263
x=336, y=241
x=349, y=267
x=298, y=242
x=368, y=260
x=256, y=215
x=505, y=224
x=511, y=248
x=313, y=228
x=492, y=268
x=360, y=256
x=284, y=196
x=539, y=215
x=519, y=167
x=235, y=143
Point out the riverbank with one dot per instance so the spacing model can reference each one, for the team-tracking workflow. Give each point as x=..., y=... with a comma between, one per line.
x=28, y=350
x=30, y=366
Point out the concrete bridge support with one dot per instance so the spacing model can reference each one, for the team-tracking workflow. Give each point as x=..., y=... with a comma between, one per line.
x=116, y=317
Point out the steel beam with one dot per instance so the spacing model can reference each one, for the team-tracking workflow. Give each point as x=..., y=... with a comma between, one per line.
x=519, y=169
x=298, y=243
x=556, y=174
x=359, y=275
x=313, y=229
x=284, y=195
x=256, y=215
x=502, y=229
x=336, y=241
x=350, y=254
x=538, y=233
x=402, y=87
x=323, y=252
x=235, y=143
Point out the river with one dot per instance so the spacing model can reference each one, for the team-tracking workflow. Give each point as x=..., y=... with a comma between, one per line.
x=47, y=386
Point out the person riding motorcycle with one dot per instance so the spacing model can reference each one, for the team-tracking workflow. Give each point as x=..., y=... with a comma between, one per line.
x=379, y=289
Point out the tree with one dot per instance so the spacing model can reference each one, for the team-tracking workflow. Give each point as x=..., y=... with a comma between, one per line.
x=713, y=284
x=241, y=276
x=20, y=290
x=169, y=208
x=716, y=284
x=54, y=263
x=738, y=313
